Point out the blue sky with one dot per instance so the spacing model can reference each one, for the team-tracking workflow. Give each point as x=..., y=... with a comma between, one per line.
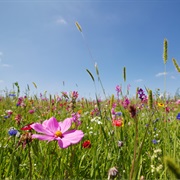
x=40, y=43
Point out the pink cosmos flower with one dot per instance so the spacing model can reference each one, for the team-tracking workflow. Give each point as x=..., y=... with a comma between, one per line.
x=53, y=130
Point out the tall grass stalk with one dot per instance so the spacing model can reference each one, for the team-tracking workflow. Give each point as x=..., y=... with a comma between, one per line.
x=165, y=58
x=176, y=65
x=131, y=176
x=91, y=57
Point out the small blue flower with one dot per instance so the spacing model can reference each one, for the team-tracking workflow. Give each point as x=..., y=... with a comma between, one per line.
x=12, y=95
x=118, y=114
x=178, y=116
x=6, y=116
x=12, y=132
x=154, y=141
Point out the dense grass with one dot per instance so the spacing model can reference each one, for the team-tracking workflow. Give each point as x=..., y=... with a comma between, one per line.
x=147, y=136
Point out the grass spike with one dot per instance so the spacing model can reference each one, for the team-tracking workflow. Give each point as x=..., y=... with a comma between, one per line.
x=165, y=54
x=176, y=65
x=78, y=26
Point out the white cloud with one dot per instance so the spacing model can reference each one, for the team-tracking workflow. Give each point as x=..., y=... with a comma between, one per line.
x=173, y=77
x=1, y=81
x=161, y=74
x=61, y=21
x=5, y=65
x=138, y=80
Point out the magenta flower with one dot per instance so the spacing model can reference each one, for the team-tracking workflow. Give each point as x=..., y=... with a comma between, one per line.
x=53, y=130
x=31, y=111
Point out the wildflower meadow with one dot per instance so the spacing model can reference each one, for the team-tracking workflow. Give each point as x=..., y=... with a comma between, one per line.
x=67, y=137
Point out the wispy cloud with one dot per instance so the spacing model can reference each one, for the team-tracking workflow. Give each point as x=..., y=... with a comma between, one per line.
x=161, y=74
x=1, y=81
x=5, y=65
x=61, y=21
x=138, y=80
x=173, y=77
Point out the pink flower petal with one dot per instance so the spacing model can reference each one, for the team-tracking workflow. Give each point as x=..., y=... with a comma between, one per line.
x=63, y=144
x=52, y=125
x=65, y=125
x=39, y=128
x=73, y=136
x=44, y=123
x=43, y=137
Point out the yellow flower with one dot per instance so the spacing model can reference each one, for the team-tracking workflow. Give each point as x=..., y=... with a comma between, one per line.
x=160, y=104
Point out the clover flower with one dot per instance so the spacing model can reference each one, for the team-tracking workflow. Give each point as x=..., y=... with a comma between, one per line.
x=31, y=111
x=52, y=130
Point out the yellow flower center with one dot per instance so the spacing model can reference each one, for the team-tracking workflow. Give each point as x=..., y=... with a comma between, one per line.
x=58, y=134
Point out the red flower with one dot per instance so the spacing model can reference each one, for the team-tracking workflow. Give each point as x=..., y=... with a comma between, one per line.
x=86, y=144
x=27, y=127
x=118, y=122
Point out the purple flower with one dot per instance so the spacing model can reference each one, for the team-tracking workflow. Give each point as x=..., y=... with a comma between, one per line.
x=118, y=90
x=178, y=116
x=12, y=95
x=52, y=130
x=76, y=119
x=31, y=111
x=141, y=94
x=154, y=141
x=12, y=132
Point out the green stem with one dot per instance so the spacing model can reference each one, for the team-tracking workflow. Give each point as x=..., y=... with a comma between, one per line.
x=30, y=161
x=135, y=148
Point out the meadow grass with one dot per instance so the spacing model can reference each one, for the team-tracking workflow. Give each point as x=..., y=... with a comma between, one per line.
x=146, y=138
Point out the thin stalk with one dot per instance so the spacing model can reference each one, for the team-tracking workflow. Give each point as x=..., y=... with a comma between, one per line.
x=135, y=148
x=30, y=161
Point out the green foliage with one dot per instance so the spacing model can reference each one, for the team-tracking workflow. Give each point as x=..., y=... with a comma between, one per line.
x=42, y=160
x=173, y=167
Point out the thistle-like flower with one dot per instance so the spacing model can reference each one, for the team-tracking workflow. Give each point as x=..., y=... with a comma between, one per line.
x=112, y=173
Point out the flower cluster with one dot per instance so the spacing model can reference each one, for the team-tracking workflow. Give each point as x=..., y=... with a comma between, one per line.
x=141, y=94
